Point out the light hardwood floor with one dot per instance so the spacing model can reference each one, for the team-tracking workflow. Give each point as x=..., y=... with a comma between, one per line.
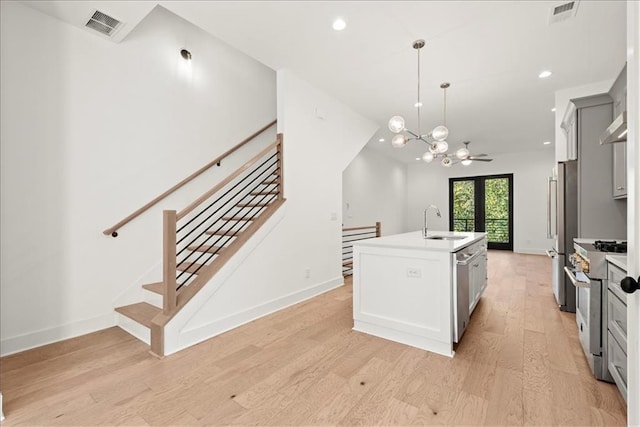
x=519, y=363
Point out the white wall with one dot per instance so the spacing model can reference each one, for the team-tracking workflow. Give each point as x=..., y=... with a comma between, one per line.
x=316, y=151
x=429, y=184
x=374, y=188
x=90, y=131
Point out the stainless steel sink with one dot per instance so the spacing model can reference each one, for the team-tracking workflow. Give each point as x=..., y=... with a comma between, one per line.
x=446, y=237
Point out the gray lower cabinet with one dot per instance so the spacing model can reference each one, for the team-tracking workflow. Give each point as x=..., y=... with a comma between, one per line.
x=617, y=329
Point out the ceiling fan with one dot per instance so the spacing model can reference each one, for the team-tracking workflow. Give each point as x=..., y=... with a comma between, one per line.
x=469, y=158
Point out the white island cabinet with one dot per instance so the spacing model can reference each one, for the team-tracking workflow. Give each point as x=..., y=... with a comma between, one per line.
x=404, y=287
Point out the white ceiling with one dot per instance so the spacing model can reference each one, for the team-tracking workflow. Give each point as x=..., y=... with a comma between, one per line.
x=490, y=51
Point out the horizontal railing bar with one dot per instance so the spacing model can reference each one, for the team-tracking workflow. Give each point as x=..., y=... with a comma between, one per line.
x=359, y=228
x=358, y=234
x=223, y=206
x=114, y=228
x=249, y=175
x=219, y=238
x=208, y=258
x=224, y=182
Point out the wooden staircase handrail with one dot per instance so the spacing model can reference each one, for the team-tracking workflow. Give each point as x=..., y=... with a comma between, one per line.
x=226, y=181
x=113, y=229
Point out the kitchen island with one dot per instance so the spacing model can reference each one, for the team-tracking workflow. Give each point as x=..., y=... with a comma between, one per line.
x=404, y=286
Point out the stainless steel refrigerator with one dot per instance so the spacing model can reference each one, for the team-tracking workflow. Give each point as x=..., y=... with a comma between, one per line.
x=563, y=226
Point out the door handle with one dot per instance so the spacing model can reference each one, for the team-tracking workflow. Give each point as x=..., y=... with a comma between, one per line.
x=629, y=284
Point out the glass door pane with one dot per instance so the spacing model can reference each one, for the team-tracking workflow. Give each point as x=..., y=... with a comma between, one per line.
x=483, y=204
x=464, y=209
x=496, y=210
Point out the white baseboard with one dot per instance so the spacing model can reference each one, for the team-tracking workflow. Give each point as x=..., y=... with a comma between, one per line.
x=201, y=333
x=58, y=333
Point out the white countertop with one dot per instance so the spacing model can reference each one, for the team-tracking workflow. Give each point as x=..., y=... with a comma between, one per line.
x=619, y=260
x=414, y=240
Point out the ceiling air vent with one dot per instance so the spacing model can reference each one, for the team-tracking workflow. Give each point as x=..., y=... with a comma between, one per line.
x=103, y=23
x=563, y=11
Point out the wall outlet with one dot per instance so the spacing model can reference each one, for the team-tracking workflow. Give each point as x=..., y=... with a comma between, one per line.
x=307, y=273
x=414, y=272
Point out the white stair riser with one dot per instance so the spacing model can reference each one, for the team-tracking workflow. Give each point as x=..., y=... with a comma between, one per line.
x=134, y=328
x=153, y=298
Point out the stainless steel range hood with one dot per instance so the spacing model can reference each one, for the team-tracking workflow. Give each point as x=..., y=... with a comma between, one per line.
x=617, y=131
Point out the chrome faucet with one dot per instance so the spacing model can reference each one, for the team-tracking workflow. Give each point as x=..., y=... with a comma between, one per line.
x=424, y=230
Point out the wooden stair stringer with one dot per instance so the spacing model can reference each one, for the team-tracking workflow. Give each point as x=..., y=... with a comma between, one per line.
x=224, y=265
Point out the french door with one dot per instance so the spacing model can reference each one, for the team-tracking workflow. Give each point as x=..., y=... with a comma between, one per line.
x=483, y=204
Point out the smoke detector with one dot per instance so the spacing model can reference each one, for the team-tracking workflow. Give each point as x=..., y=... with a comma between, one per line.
x=103, y=23
x=563, y=11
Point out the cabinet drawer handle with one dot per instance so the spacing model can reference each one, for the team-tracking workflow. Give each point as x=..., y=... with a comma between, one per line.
x=619, y=188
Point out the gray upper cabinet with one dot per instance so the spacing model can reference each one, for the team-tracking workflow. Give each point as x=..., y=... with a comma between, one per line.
x=618, y=94
x=570, y=126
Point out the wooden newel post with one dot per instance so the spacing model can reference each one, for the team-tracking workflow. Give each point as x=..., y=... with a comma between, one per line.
x=378, y=229
x=280, y=167
x=169, y=260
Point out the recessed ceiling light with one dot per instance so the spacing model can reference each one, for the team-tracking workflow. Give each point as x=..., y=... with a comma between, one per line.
x=381, y=140
x=417, y=104
x=544, y=74
x=547, y=142
x=553, y=110
x=339, y=24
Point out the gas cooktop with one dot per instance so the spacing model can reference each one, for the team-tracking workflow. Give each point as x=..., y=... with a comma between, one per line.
x=610, y=246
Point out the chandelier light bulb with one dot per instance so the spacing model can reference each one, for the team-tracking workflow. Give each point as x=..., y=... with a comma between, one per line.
x=433, y=147
x=427, y=157
x=462, y=153
x=440, y=133
x=442, y=146
x=396, y=124
x=466, y=162
x=398, y=141
x=446, y=162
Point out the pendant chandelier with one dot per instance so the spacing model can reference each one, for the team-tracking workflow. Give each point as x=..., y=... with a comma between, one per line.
x=436, y=139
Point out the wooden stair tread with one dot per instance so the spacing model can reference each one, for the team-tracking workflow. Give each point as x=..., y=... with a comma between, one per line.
x=189, y=267
x=157, y=287
x=229, y=233
x=347, y=264
x=270, y=181
x=141, y=312
x=206, y=248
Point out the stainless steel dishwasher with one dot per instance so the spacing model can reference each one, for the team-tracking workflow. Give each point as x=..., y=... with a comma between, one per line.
x=466, y=263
